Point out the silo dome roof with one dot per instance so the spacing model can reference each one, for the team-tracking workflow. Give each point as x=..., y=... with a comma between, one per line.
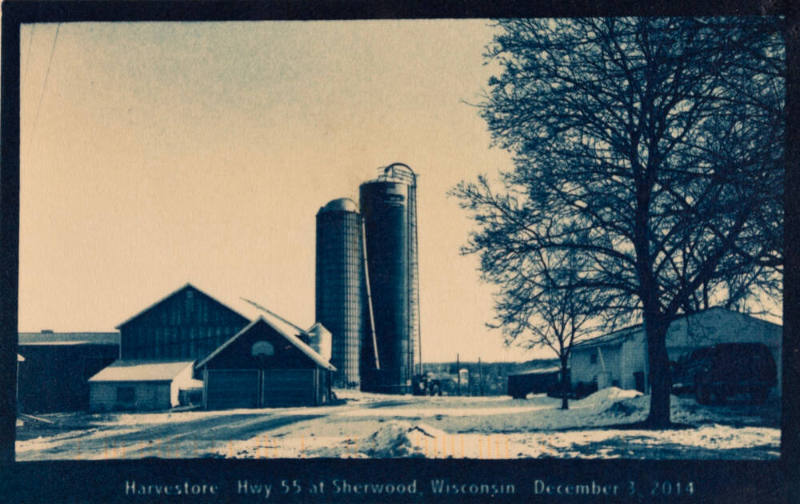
x=340, y=205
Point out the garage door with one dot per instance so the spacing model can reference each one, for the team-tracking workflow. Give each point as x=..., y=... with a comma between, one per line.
x=287, y=387
x=231, y=388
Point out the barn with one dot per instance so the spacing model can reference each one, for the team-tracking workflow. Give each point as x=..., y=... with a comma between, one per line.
x=140, y=385
x=169, y=346
x=54, y=375
x=187, y=324
x=619, y=358
x=266, y=364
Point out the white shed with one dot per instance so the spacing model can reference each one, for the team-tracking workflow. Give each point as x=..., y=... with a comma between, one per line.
x=140, y=385
x=619, y=358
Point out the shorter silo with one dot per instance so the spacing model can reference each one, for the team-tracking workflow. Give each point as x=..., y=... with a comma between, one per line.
x=340, y=286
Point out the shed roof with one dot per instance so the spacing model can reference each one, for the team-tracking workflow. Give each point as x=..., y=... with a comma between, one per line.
x=140, y=370
x=281, y=330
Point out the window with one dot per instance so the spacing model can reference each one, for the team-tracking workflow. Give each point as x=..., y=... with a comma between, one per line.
x=262, y=348
x=593, y=357
x=126, y=394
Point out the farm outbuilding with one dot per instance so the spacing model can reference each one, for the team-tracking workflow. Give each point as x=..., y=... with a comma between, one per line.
x=140, y=385
x=619, y=358
x=535, y=381
x=54, y=375
x=265, y=364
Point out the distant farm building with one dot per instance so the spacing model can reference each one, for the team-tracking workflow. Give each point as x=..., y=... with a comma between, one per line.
x=535, y=381
x=56, y=368
x=619, y=358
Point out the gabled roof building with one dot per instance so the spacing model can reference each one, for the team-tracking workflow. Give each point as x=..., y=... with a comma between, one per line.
x=263, y=365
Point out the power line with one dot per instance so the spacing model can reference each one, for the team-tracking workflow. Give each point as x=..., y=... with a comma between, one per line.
x=28, y=54
x=44, y=86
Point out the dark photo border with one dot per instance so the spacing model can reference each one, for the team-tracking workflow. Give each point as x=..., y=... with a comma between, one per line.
x=104, y=481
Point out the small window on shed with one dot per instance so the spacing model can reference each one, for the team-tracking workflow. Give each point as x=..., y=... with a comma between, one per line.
x=593, y=357
x=126, y=394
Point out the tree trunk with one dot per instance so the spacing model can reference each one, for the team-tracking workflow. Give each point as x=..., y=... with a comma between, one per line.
x=659, y=378
x=564, y=385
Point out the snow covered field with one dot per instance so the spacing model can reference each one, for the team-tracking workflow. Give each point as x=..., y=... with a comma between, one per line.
x=373, y=425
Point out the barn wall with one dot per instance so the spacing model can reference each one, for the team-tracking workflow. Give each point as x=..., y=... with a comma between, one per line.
x=608, y=362
x=582, y=369
x=55, y=378
x=187, y=325
x=288, y=387
x=230, y=388
x=632, y=360
x=148, y=396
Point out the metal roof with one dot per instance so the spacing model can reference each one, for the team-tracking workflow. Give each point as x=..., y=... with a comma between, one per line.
x=340, y=205
x=547, y=370
x=140, y=370
x=151, y=306
x=620, y=335
x=67, y=338
x=611, y=338
x=280, y=328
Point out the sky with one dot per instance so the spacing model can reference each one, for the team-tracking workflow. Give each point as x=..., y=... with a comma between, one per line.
x=156, y=154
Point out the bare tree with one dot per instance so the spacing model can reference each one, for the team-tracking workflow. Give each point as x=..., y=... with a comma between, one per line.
x=550, y=312
x=652, y=149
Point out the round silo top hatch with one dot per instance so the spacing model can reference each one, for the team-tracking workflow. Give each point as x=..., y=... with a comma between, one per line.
x=340, y=205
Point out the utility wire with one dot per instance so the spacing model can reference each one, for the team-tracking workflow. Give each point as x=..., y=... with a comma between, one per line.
x=44, y=86
x=28, y=54
x=28, y=60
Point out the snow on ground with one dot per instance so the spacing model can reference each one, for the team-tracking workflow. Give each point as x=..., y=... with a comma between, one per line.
x=378, y=426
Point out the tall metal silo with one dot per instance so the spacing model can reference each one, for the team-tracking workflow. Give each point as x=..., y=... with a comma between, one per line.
x=388, y=206
x=340, y=286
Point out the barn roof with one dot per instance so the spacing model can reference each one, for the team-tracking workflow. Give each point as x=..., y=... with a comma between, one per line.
x=280, y=329
x=177, y=291
x=68, y=338
x=620, y=335
x=276, y=321
x=547, y=370
x=611, y=338
x=140, y=370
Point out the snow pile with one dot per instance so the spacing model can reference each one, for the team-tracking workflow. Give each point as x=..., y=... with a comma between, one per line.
x=400, y=439
x=604, y=399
